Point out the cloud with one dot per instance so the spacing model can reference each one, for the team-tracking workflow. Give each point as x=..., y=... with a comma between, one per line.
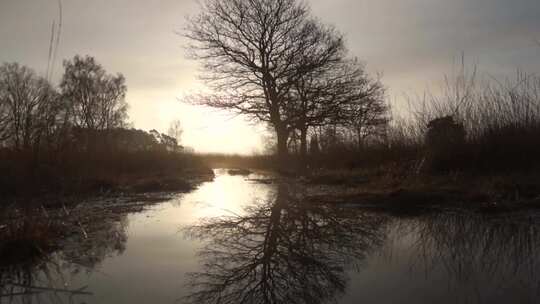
x=413, y=42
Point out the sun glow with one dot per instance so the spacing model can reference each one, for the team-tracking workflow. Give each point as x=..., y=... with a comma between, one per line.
x=225, y=196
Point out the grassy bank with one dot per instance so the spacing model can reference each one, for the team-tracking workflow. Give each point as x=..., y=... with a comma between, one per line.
x=473, y=145
x=27, y=175
x=386, y=191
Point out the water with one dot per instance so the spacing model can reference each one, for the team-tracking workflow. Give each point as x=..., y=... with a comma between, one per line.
x=242, y=241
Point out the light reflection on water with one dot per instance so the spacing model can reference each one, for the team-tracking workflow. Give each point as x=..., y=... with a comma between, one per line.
x=238, y=241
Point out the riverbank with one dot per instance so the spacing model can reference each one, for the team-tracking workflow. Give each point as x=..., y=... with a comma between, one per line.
x=401, y=187
x=148, y=243
x=82, y=227
x=28, y=230
x=77, y=176
x=414, y=194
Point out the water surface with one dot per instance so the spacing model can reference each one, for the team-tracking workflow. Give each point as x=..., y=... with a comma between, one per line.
x=239, y=240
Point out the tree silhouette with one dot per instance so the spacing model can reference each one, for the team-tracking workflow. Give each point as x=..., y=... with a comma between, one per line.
x=253, y=52
x=339, y=93
x=95, y=98
x=175, y=131
x=283, y=250
x=28, y=106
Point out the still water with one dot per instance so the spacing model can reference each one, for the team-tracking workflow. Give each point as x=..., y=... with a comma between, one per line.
x=242, y=240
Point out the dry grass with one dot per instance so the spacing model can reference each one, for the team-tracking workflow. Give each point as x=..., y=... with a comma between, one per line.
x=71, y=172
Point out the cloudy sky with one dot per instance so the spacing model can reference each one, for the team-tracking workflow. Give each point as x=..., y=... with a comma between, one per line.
x=413, y=43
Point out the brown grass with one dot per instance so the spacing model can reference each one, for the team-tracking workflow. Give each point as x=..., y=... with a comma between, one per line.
x=28, y=174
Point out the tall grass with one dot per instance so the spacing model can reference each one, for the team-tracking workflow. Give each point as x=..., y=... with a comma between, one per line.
x=501, y=120
x=72, y=172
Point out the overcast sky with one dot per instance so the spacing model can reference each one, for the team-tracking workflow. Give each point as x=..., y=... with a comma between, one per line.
x=413, y=43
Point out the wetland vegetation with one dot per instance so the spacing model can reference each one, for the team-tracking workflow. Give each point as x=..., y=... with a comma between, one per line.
x=351, y=197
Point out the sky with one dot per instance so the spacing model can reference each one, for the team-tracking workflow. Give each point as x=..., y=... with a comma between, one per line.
x=411, y=43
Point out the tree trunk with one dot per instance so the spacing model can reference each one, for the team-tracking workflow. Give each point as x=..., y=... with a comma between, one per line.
x=303, y=149
x=303, y=143
x=359, y=139
x=282, y=138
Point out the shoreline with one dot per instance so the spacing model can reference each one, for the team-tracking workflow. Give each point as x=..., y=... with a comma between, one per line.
x=420, y=194
x=146, y=188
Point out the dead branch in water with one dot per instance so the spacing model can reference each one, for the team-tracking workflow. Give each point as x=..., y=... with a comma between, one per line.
x=38, y=289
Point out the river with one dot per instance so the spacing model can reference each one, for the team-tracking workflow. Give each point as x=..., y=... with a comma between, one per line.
x=249, y=239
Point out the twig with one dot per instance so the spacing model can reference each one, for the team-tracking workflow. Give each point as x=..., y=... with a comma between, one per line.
x=82, y=229
x=26, y=293
x=45, y=211
x=50, y=289
x=65, y=209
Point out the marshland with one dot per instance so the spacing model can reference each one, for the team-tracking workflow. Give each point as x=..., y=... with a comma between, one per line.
x=250, y=151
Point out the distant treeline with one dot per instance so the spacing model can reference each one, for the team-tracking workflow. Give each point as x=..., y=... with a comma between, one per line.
x=75, y=137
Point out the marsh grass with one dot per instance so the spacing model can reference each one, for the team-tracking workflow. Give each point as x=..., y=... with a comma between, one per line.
x=26, y=174
x=26, y=236
x=501, y=120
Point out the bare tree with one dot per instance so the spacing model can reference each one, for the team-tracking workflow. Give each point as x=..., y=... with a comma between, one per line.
x=4, y=118
x=339, y=93
x=254, y=51
x=96, y=98
x=28, y=105
x=367, y=115
x=175, y=130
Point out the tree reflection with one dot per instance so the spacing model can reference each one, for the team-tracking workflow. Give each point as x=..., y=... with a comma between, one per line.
x=282, y=250
x=39, y=281
x=45, y=276
x=484, y=257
